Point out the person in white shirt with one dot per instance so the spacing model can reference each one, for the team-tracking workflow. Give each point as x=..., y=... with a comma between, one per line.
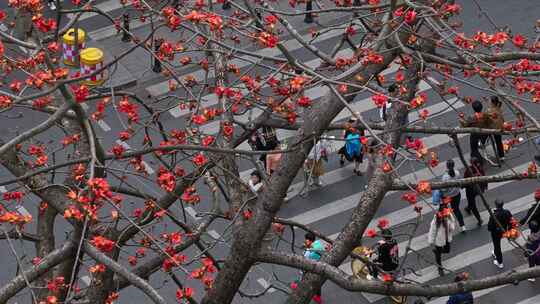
x=441, y=232
x=384, y=111
x=255, y=182
x=314, y=165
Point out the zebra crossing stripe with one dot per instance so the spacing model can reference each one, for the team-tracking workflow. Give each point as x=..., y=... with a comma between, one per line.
x=479, y=293
x=533, y=300
x=241, y=62
x=420, y=242
x=406, y=214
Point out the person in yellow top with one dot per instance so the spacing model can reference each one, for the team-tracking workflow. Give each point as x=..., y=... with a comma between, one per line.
x=478, y=120
x=497, y=122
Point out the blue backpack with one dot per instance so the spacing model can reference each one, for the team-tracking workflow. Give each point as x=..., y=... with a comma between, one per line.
x=353, y=145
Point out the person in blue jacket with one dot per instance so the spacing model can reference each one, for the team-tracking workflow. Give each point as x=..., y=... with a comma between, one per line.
x=462, y=297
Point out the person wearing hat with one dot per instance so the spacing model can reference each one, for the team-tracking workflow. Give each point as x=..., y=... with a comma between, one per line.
x=499, y=222
x=465, y=297
x=534, y=212
x=387, y=254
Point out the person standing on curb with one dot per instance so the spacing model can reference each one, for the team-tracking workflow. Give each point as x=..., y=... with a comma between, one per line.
x=453, y=193
x=498, y=223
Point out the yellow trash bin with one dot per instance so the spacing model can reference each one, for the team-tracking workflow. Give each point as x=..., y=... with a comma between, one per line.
x=91, y=61
x=70, y=52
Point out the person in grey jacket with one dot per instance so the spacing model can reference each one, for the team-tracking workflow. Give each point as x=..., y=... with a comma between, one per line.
x=453, y=193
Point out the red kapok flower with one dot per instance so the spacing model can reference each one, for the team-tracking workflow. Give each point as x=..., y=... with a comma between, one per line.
x=383, y=223
x=81, y=93
x=199, y=159
x=379, y=100
x=102, y=243
x=410, y=17
x=423, y=187
x=304, y=101
x=371, y=233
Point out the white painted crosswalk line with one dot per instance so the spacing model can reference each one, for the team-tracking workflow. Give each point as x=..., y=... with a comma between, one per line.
x=291, y=45
x=406, y=214
x=344, y=173
x=265, y=284
x=483, y=292
x=349, y=202
x=107, y=6
x=360, y=106
x=145, y=164
x=420, y=242
x=533, y=300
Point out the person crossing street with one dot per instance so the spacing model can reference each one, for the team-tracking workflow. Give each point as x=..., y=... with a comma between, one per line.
x=498, y=223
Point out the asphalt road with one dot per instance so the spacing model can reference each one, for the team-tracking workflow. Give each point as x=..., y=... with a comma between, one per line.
x=325, y=209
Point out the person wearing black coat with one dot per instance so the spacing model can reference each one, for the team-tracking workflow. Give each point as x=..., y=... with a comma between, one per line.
x=503, y=217
x=534, y=212
x=473, y=190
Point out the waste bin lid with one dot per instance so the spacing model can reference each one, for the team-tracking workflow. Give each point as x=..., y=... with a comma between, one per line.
x=69, y=36
x=91, y=56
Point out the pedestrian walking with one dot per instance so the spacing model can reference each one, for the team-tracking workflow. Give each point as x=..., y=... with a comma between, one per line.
x=533, y=214
x=453, y=193
x=387, y=255
x=478, y=120
x=352, y=151
x=314, y=164
x=273, y=160
x=498, y=223
x=385, y=109
x=441, y=232
x=464, y=297
x=533, y=244
x=472, y=190
x=497, y=122
x=313, y=250
x=263, y=139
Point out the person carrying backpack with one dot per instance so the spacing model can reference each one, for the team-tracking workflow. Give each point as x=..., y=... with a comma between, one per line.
x=387, y=254
x=465, y=297
x=503, y=217
x=352, y=150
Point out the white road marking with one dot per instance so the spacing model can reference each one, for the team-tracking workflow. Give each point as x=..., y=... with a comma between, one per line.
x=265, y=284
x=145, y=164
x=104, y=126
x=23, y=210
x=86, y=280
x=191, y=211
